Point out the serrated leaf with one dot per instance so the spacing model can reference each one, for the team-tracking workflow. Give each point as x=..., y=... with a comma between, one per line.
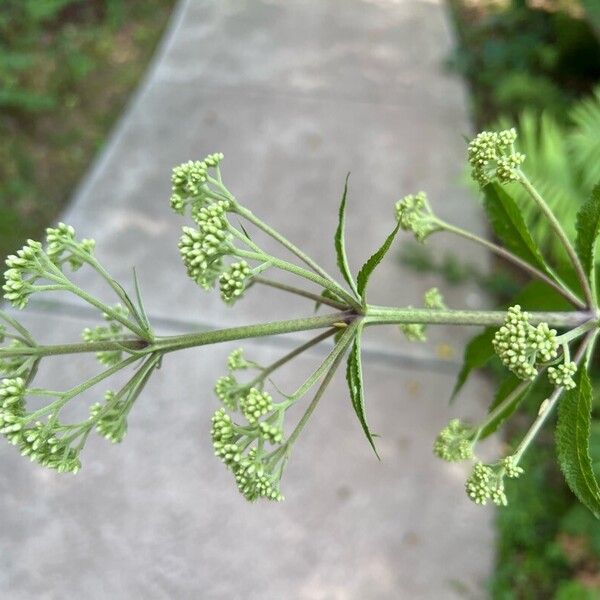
x=355, y=385
x=509, y=225
x=573, y=442
x=368, y=268
x=478, y=353
x=588, y=229
x=509, y=386
x=340, y=242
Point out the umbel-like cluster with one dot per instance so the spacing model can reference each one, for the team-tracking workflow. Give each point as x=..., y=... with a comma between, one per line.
x=203, y=247
x=113, y=331
x=523, y=347
x=414, y=214
x=416, y=332
x=492, y=155
x=455, y=442
x=486, y=482
x=246, y=447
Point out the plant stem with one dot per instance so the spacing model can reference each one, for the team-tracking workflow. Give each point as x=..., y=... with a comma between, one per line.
x=341, y=348
x=299, y=292
x=562, y=236
x=560, y=287
x=329, y=284
x=382, y=315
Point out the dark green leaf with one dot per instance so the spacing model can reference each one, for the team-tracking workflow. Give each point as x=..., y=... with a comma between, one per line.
x=508, y=224
x=477, y=354
x=588, y=228
x=340, y=242
x=573, y=442
x=507, y=388
x=369, y=266
x=355, y=385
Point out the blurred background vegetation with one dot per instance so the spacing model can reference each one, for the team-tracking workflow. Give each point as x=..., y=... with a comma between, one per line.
x=67, y=68
x=535, y=64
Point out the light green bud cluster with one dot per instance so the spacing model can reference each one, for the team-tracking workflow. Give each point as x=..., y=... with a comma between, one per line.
x=63, y=246
x=114, y=331
x=24, y=268
x=229, y=391
x=414, y=214
x=486, y=483
x=233, y=281
x=455, y=442
x=236, y=360
x=562, y=375
x=39, y=442
x=110, y=418
x=256, y=404
x=511, y=469
x=492, y=156
x=433, y=299
x=189, y=182
x=521, y=346
x=202, y=249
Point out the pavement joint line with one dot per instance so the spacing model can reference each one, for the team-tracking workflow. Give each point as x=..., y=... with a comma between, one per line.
x=371, y=353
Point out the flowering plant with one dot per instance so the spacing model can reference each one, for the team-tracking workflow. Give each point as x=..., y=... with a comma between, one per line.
x=250, y=431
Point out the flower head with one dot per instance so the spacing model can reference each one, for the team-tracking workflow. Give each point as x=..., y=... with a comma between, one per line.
x=486, y=483
x=233, y=282
x=562, y=375
x=521, y=346
x=256, y=404
x=455, y=442
x=414, y=214
x=62, y=245
x=492, y=156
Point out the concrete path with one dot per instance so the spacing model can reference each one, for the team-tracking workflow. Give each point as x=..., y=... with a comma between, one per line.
x=295, y=94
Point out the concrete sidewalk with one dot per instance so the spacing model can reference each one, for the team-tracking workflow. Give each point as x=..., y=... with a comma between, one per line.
x=294, y=94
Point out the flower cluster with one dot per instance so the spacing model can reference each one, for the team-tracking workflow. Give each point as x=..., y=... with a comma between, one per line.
x=190, y=183
x=111, y=332
x=13, y=366
x=486, y=482
x=39, y=442
x=521, y=346
x=233, y=281
x=562, y=375
x=202, y=249
x=492, y=156
x=63, y=246
x=24, y=269
x=242, y=446
x=455, y=442
x=414, y=214
x=110, y=418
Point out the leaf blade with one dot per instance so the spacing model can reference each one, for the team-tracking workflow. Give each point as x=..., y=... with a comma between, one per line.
x=588, y=229
x=367, y=269
x=340, y=242
x=355, y=385
x=573, y=443
x=510, y=227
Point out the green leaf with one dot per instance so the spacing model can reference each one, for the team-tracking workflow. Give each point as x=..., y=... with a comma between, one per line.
x=369, y=266
x=508, y=224
x=507, y=387
x=355, y=385
x=573, y=443
x=478, y=353
x=588, y=228
x=340, y=242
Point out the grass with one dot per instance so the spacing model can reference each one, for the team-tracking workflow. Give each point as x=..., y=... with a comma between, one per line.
x=67, y=68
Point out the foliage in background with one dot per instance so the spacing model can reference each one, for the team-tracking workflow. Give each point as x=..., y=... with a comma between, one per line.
x=515, y=56
x=66, y=70
x=536, y=68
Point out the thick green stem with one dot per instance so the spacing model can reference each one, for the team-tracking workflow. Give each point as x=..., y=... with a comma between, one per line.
x=380, y=315
x=562, y=236
x=558, y=285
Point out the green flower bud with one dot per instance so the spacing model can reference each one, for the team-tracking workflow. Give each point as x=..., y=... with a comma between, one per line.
x=521, y=346
x=414, y=214
x=414, y=332
x=236, y=360
x=562, y=375
x=270, y=433
x=486, y=483
x=455, y=442
x=114, y=331
x=111, y=418
x=256, y=404
x=511, y=469
x=61, y=241
x=233, y=281
x=229, y=391
x=433, y=299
